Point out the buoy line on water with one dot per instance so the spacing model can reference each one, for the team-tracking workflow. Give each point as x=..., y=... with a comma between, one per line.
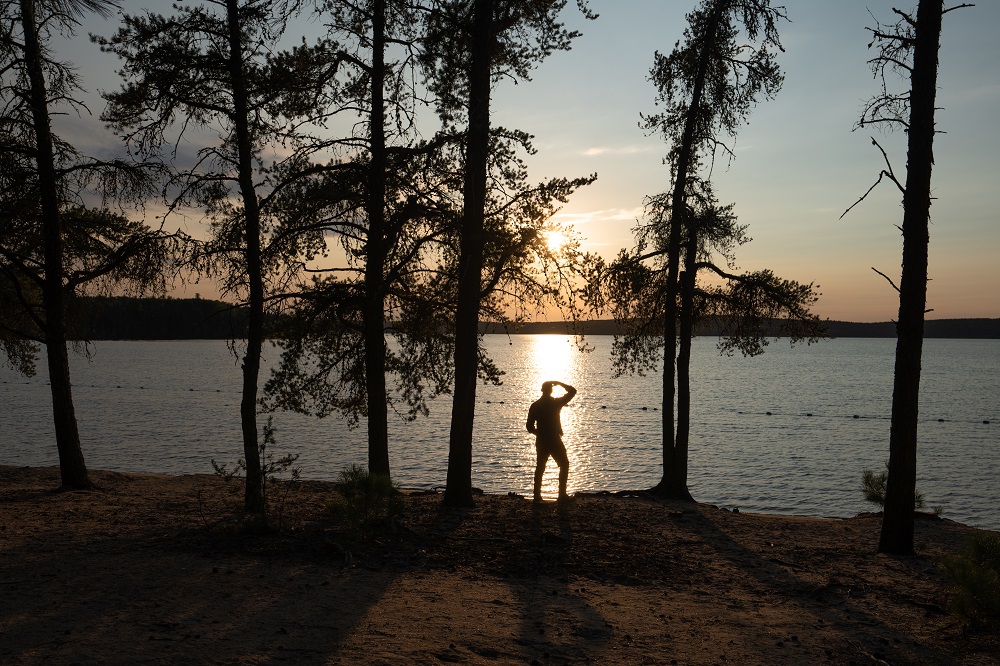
x=644, y=408
x=853, y=417
x=860, y=417
x=124, y=387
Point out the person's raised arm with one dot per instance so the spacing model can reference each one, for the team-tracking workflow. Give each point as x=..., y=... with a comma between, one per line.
x=570, y=392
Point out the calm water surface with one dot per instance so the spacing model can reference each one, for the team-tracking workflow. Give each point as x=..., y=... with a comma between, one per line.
x=788, y=432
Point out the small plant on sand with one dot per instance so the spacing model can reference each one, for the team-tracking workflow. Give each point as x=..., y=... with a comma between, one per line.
x=365, y=500
x=273, y=516
x=873, y=488
x=976, y=574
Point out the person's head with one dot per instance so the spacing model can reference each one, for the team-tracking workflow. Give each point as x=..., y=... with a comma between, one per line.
x=546, y=388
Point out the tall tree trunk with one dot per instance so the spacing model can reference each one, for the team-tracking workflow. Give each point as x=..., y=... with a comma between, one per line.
x=374, y=310
x=897, y=521
x=675, y=447
x=254, y=495
x=458, y=489
x=72, y=467
x=687, y=284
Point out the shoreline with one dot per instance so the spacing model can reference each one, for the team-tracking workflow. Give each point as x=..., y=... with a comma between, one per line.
x=790, y=514
x=150, y=569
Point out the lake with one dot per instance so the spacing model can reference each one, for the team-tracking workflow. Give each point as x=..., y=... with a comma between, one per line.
x=788, y=432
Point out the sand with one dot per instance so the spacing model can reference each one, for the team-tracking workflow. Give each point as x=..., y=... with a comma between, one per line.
x=153, y=569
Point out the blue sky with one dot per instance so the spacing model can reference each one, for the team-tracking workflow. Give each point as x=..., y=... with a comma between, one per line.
x=798, y=163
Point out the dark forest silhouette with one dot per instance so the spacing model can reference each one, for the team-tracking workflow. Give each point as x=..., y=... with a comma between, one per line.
x=126, y=318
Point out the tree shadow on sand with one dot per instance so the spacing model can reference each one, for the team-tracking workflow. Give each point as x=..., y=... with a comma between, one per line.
x=136, y=573
x=158, y=580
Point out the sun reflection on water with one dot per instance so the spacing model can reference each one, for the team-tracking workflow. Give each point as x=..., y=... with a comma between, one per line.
x=553, y=358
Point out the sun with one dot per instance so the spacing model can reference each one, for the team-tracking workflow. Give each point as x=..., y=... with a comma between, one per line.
x=556, y=240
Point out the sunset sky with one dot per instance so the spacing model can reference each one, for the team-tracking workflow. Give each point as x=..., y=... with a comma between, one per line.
x=798, y=163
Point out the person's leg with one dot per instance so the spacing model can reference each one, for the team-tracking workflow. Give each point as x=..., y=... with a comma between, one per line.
x=559, y=455
x=541, y=458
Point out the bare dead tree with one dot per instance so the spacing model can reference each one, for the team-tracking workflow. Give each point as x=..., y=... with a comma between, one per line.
x=908, y=49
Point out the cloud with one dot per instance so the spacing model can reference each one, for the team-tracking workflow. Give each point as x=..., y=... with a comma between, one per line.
x=605, y=215
x=984, y=92
x=623, y=150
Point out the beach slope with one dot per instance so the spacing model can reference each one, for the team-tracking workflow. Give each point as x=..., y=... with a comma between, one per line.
x=153, y=569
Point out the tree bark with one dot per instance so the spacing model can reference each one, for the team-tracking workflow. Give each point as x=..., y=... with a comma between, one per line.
x=375, y=253
x=73, y=469
x=675, y=445
x=458, y=489
x=897, y=521
x=254, y=494
x=682, y=439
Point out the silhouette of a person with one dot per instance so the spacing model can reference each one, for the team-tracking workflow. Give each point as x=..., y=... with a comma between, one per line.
x=544, y=423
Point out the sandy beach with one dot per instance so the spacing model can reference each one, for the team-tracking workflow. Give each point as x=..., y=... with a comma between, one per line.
x=151, y=569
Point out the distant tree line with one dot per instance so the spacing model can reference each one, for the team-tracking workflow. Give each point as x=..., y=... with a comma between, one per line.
x=135, y=318
x=147, y=318
x=987, y=329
